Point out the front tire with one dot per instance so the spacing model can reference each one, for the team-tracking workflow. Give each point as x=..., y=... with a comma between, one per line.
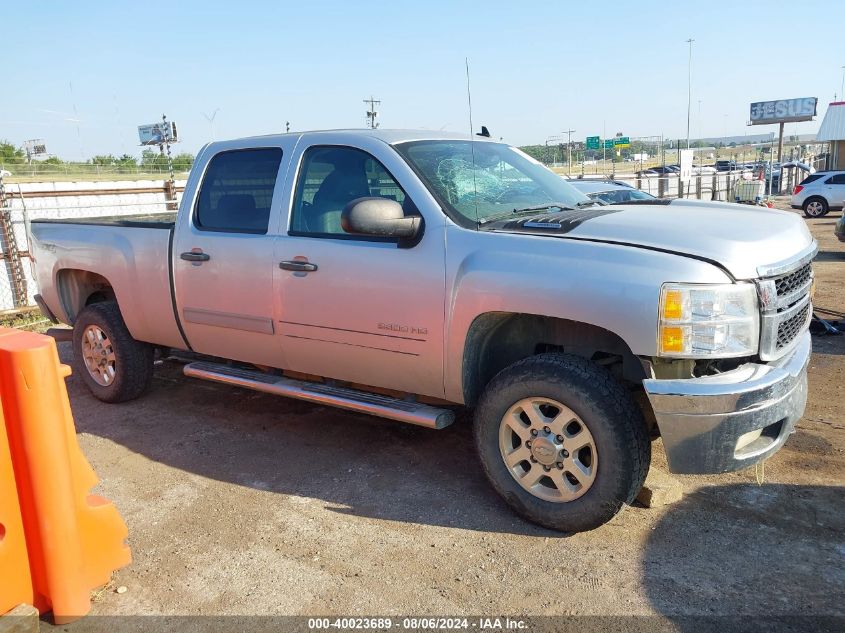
x=114, y=366
x=562, y=441
x=816, y=207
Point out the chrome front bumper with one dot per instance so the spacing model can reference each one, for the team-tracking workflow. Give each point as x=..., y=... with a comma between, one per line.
x=732, y=420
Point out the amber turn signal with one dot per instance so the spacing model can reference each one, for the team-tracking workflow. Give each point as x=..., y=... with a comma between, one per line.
x=672, y=339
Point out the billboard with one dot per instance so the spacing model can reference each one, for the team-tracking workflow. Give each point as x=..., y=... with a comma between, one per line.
x=783, y=111
x=34, y=147
x=157, y=133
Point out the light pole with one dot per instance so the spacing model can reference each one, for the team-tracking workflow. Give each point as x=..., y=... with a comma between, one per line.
x=689, y=86
x=569, y=152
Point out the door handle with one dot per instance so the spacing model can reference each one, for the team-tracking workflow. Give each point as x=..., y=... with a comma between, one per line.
x=191, y=256
x=300, y=267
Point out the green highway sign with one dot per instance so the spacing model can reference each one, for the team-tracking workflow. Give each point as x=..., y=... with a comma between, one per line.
x=593, y=142
x=622, y=141
x=608, y=143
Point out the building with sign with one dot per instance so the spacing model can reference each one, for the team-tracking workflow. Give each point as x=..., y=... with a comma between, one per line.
x=832, y=130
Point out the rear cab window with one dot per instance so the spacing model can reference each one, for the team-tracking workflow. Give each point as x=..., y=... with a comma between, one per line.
x=237, y=191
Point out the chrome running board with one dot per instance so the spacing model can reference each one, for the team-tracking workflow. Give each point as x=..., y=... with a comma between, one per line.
x=343, y=397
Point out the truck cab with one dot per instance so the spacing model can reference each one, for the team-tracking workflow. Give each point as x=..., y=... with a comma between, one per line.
x=409, y=274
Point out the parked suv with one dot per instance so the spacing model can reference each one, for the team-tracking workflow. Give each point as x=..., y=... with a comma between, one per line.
x=819, y=193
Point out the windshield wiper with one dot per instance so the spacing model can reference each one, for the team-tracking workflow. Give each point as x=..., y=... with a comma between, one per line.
x=589, y=203
x=545, y=206
x=540, y=207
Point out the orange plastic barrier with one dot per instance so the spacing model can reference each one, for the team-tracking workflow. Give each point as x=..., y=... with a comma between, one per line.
x=57, y=541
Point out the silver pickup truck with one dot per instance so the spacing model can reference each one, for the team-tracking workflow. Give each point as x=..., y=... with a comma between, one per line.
x=406, y=274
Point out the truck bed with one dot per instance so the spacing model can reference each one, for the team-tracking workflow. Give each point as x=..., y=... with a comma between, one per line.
x=131, y=254
x=143, y=221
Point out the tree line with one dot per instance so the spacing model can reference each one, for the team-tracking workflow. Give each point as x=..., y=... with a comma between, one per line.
x=150, y=159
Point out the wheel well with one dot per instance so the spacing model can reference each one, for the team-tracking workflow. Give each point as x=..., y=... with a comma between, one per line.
x=815, y=197
x=498, y=339
x=80, y=288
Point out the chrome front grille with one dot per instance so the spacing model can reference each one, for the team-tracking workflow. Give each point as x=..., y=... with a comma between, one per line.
x=794, y=284
x=786, y=309
x=792, y=327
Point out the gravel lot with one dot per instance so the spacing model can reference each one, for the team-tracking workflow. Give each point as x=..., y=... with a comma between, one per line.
x=242, y=503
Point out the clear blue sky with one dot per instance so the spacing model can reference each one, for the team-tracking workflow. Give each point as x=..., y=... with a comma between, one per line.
x=82, y=75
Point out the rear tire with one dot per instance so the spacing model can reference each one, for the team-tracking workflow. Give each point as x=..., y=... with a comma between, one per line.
x=815, y=207
x=565, y=395
x=114, y=366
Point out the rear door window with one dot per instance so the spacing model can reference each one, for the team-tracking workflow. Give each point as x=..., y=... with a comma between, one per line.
x=237, y=191
x=838, y=179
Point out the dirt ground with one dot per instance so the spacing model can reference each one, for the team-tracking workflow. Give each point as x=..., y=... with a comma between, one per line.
x=243, y=503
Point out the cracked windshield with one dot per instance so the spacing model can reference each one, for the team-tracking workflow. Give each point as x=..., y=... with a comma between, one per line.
x=478, y=182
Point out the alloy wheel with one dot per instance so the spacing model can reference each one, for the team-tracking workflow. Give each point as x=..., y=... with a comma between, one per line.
x=548, y=449
x=98, y=354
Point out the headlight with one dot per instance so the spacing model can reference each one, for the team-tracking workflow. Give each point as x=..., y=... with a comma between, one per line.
x=698, y=321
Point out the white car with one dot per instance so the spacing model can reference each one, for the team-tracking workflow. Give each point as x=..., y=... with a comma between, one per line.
x=820, y=192
x=4, y=173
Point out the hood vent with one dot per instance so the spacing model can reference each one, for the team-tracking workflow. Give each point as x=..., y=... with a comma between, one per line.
x=561, y=222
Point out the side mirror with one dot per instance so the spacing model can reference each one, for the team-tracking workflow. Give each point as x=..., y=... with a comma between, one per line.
x=379, y=217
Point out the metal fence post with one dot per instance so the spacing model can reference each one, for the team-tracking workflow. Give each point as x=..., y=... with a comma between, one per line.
x=698, y=187
x=714, y=187
x=661, y=187
x=14, y=267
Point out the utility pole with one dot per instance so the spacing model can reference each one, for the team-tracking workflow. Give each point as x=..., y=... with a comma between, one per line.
x=169, y=185
x=569, y=152
x=689, y=86
x=372, y=113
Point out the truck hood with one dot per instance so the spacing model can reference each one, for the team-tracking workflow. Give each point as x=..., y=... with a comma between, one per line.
x=738, y=237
